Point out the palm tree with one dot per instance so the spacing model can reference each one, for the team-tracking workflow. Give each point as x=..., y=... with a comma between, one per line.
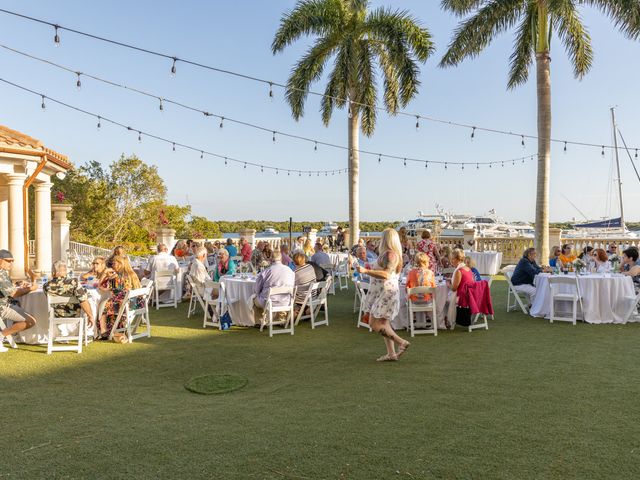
x=535, y=22
x=358, y=41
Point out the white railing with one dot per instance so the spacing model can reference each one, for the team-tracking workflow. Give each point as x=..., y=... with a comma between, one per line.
x=82, y=249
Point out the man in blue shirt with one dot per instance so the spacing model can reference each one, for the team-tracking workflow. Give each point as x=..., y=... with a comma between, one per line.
x=231, y=248
x=525, y=272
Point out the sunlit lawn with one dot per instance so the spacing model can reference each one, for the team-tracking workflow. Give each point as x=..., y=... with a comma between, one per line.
x=523, y=400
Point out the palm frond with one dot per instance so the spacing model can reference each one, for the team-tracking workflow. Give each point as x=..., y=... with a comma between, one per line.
x=309, y=17
x=474, y=34
x=336, y=92
x=524, y=48
x=368, y=92
x=308, y=70
x=460, y=7
x=574, y=36
x=624, y=13
x=391, y=84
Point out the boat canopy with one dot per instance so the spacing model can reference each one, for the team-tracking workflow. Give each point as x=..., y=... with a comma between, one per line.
x=610, y=223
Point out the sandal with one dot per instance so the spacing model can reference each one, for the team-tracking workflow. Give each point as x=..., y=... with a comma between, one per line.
x=403, y=348
x=387, y=358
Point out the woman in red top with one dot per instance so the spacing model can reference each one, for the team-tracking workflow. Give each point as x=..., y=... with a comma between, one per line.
x=462, y=277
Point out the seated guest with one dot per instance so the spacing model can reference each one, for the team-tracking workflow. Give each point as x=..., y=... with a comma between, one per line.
x=470, y=262
x=198, y=270
x=212, y=254
x=8, y=291
x=257, y=256
x=118, y=282
x=225, y=265
x=553, y=257
x=231, y=248
x=612, y=251
x=299, y=245
x=180, y=250
x=267, y=253
x=586, y=252
x=116, y=252
x=98, y=270
x=63, y=286
x=277, y=275
x=305, y=276
x=630, y=266
x=525, y=272
x=445, y=257
x=361, y=260
x=320, y=257
x=245, y=250
x=372, y=256
x=566, y=256
x=421, y=276
x=161, y=262
x=286, y=259
x=601, y=260
x=308, y=248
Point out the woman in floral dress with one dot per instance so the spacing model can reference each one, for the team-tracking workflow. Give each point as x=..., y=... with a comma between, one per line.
x=428, y=246
x=382, y=302
x=118, y=282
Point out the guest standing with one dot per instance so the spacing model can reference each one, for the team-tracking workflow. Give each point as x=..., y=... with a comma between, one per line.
x=429, y=247
x=382, y=302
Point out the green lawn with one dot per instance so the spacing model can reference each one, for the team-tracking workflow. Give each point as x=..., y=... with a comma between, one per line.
x=525, y=399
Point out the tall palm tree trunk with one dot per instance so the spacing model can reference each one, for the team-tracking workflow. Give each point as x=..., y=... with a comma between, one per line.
x=543, y=67
x=354, y=176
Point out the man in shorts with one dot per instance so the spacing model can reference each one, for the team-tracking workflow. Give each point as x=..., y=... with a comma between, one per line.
x=20, y=319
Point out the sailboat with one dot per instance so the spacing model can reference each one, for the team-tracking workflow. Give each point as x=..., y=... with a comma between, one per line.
x=608, y=227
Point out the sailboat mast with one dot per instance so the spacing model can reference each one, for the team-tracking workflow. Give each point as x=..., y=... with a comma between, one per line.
x=615, y=146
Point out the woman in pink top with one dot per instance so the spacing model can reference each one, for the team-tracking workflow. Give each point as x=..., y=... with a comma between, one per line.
x=462, y=277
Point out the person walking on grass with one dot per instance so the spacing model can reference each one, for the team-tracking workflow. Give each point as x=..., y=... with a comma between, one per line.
x=383, y=298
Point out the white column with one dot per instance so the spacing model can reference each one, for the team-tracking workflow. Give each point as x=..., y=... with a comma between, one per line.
x=60, y=229
x=250, y=235
x=4, y=217
x=166, y=236
x=313, y=236
x=43, y=226
x=15, y=181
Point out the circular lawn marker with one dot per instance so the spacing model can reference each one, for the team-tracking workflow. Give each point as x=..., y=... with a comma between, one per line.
x=215, y=384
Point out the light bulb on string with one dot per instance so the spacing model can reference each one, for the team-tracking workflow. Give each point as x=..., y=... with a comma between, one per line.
x=174, y=146
x=417, y=123
x=318, y=173
x=270, y=91
x=513, y=163
x=309, y=174
x=221, y=122
x=565, y=147
x=426, y=164
x=477, y=166
x=315, y=147
x=636, y=153
x=288, y=173
x=139, y=136
x=602, y=152
x=277, y=171
x=462, y=167
x=161, y=106
x=522, y=141
x=56, y=37
x=173, y=67
x=379, y=158
x=78, y=82
x=225, y=160
x=201, y=154
x=299, y=173
x=473, y=133
x=42, y=105
x=261, y=170
x=503, y=164
x=445, y=165
x=245, y=165
x=405, y=162
x=99, y=124
x=274, y=137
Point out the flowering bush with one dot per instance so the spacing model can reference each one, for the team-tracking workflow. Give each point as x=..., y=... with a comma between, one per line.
x=59, y=197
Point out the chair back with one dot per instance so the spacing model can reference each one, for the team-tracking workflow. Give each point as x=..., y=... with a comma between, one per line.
x=164, y=279
x=55, y=300
x=421, y=291
x=556, y=281
x=281, y=296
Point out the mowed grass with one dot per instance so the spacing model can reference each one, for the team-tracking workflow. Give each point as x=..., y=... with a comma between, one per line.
x=525, y=399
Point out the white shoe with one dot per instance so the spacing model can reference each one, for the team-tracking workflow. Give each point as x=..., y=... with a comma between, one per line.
x=3, y=348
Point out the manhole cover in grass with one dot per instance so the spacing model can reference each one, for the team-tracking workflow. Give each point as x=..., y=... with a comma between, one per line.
x=215, y=384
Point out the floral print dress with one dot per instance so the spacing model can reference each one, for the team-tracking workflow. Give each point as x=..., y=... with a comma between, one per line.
x=119, y=287
x=429, y=247
x=383, y=297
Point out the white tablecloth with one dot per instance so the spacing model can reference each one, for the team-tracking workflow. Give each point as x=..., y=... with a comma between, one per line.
x=601, y=297
x=402, y=319
x=37, y=305
x=239, y=297
x=487, y=263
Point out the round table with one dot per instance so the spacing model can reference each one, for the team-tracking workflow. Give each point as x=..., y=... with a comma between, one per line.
x=402, y=319
x=239, y=294
x=601, y=297
x=487, y=263
x=36, y=304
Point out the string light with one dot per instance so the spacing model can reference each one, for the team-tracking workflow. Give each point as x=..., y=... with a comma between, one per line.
x=445, y=165
x=426, y=164
x=261, y=80
x=276, y=171
x=174, y=146
x=473, y=133
x=271, y=90
x=225, y=160
x=173, y=67
x=99, y=125
x=78, y=82
x=405, y=162
x=161, y=106
x=350, y=113
x=42, y=105
x=56, y=37
x=636, y=153
x=417, y=123
x=139, y=136
x=477, y=166
x=221, y=122
x=274, y=137
x=565, y=147
x=245, y=165
x=602, y=153
x=379, y=158
x=261, y=170
x=522, y=142
x=315, y=147
x=201, y=155
x=463, y=166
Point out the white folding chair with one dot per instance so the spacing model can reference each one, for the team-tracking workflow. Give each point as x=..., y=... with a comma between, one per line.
x=73, y=343
x=218, y=305
x=488, y=278
x=362, y=288
x=633, y=304
x=9, y=339
x=342, y=274
x=272, y=310
x=426, y=307
x=195, y=299
x=166, y=281
x=132, y=317
x=316, y=300
x=512, y=291
x=574, y=297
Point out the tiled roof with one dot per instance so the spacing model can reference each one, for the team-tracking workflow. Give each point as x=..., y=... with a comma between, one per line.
x=20, y=140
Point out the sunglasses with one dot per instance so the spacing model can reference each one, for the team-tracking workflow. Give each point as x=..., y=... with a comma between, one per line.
x=10, y=260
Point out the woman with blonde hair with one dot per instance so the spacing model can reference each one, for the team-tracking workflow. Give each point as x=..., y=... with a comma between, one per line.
x=308, y=248
x=421, y=276
x=554, y=256
x=382, y=302
x=118, y=282
x=471, y=263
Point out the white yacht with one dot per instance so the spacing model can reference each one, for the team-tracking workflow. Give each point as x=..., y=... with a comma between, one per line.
x=268, y=232
x=329, y=228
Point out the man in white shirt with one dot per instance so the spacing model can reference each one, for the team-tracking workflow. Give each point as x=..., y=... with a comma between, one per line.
x=320, y=257
x=161, y=262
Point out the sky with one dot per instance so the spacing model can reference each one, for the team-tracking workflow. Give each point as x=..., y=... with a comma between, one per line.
x=237, y=36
